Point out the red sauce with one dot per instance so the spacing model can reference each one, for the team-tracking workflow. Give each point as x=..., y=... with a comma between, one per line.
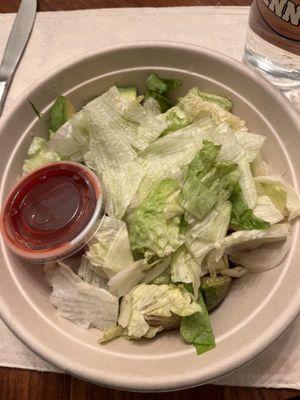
x=50, y=207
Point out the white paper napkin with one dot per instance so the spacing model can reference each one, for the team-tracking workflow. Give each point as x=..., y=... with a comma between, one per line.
x=59, y=36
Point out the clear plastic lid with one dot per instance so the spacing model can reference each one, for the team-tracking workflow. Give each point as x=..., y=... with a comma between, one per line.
x=53, y=212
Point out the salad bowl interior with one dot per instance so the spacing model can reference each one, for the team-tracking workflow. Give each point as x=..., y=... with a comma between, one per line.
x=258, y=308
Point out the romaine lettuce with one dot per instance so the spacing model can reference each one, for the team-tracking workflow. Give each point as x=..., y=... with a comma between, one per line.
x=196, y=329
x=151, y=232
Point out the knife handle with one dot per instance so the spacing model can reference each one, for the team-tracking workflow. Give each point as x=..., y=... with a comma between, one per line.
x=3, y=93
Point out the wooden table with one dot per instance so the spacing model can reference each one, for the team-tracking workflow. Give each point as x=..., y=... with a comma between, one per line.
x=17, y=384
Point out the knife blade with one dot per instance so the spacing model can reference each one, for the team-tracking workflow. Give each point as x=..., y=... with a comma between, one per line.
x=15, y=46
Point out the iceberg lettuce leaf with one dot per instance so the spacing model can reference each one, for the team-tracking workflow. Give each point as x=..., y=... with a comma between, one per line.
x=265, y=209
x=109, y=251
x=146, y=301
x=39, y=155
x=84, y=304
x=283, y=196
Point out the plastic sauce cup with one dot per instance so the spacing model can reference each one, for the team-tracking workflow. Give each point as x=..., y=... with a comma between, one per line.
x=53, y=212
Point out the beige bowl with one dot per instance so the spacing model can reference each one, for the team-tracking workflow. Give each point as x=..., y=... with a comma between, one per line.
x=259, y=307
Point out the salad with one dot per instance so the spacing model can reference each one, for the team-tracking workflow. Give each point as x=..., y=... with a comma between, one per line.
x=191, y=206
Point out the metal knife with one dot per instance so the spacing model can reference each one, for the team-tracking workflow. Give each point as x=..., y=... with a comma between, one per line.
x=16, y=44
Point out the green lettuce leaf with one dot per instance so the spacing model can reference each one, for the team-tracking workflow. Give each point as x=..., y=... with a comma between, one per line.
x=184, y=269
x=151, y=233
x=140, y=271
x=71, y=140
x=204, y=160
x=162, y=85
x=113, y=332
x=214, y=226
x=192, y=108
x=159, y=88
x=166, y=156
x=196, y=329
x=200, y=194
x=222, y=101
x=147, y=301
x=241, y=216
x=38, y=155
x=109, y=250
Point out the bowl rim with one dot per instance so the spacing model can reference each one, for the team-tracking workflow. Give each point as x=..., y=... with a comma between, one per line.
x=175, y=383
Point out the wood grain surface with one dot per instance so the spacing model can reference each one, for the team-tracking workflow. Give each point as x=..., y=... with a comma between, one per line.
x=18, y=384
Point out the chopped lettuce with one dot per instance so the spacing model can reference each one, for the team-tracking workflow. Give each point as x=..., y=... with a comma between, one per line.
x=265, y=210
x=195, y=107
x=250, y=239
x=109, y=251
x=140, y=271
x=151, y=232
x=111, y=333
x=214, y=226
x=222, y=101
x=264, y=258
x=184, y=268
x=39, y=155
x=241, y=216
x=203, y=236
x=247, y=183
x=163, y=278
x=152, y=106
x=196, y=329
x=200, y=194
x=71, y=140
x=204, y=161
x=113, y=112
x=251, y=143
x=113, y=158
x=283, y=196
x=146, y=301
x=161, y=85
x=118, y=127
x=116, y=163
x=259, y=167
x=190, y=205
x=89, y=274
x=80, y=302
x=159, y=88
x=167, y=156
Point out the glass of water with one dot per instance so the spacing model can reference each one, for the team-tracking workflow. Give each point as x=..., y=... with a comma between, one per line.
x=273, y=44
